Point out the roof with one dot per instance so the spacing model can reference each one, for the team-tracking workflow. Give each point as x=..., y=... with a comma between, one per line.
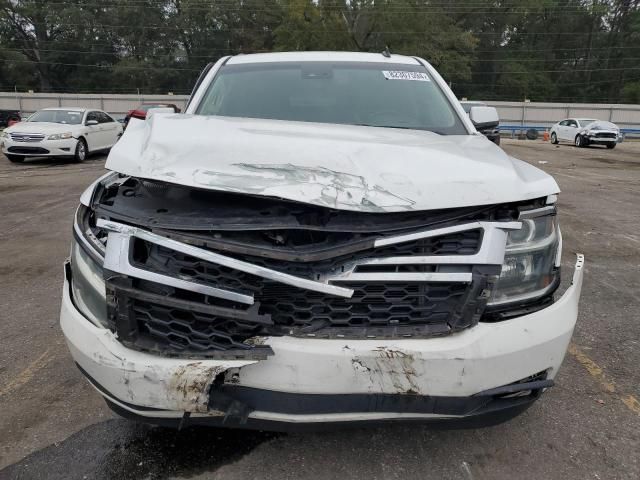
x=79, y=109
x=320, y=57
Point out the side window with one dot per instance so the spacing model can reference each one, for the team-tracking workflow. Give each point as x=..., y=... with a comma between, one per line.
x=104, y=118
x=573, y=123
x=564, y=123
x=93, y=116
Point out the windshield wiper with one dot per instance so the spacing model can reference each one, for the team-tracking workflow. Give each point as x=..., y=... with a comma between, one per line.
x=437, y=132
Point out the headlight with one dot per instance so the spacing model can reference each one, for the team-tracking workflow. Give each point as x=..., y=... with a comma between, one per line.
x=4, y=135
x=529, y=270
x=87, y=286
x=60, y=136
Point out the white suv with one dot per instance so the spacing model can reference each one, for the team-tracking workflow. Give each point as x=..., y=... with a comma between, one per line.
x=322, y=237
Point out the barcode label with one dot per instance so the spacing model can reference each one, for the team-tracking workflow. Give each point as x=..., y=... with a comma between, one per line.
x=400, y=75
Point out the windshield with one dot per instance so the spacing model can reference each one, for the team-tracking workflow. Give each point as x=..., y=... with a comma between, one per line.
x=370, y=94
x=69, y=117
x=586, y=121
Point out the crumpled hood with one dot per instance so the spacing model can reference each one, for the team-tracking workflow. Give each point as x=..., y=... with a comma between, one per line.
x=365, y=169
x=602, y=125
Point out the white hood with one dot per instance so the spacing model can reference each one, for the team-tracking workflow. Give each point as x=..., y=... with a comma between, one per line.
x=356, y=168
x=41, y=127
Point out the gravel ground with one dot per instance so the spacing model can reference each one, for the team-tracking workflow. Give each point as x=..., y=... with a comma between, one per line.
x=53, y=424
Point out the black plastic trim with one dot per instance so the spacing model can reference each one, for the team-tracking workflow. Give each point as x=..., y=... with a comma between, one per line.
x=484, y=408
x=487, y=419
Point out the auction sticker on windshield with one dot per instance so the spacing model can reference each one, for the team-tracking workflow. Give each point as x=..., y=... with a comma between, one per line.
x=400, y=75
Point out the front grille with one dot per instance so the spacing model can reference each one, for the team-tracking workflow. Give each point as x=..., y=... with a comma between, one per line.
x=372, y=305
x=27, y=137
x=164, y=260
x=28, y=150
x=606, y=135
x=184, y=331
x=153, y=316
x=408, y=310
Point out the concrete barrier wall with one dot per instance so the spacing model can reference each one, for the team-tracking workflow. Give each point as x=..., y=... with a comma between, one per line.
x=546, y=114
x=117, y=105
x=511, y=113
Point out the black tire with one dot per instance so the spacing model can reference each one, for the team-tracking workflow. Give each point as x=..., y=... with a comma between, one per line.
x=611, y=146
x=82, y=152
x=580, y=141
x=15, y=158
x=554, y=138
x=532, y=134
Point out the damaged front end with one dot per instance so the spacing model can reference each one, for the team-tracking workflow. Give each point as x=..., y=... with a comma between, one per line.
x=231, y=303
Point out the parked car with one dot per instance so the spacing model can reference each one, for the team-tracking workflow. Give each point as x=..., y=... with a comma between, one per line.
x=583, y=132
x=491, y=132
x=324, y=238
x=60, y=132
x=9, y=117
x=141, y=112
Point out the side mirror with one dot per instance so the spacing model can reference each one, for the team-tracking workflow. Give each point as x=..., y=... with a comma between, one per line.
x=90, y=123
x=484, y=117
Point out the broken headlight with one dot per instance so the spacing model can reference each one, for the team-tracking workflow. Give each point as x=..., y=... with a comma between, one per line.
x=530, y=268
x=87, y=285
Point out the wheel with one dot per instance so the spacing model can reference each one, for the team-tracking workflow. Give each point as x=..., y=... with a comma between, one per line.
x=554, y=138
x=580, y=141
x=15, y=158
x=81, y=151
x=611, y=145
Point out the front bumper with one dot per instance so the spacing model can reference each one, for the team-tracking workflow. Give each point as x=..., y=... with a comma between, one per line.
x=319, y=380
x=595, y=139
x=45, y=148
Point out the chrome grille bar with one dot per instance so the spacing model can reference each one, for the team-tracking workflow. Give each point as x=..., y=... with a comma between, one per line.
x=491, y=253
x=117, y=260
x=27, y=137
x=218, y=259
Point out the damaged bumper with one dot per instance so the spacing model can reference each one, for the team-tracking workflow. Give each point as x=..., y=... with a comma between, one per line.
x=481, y=370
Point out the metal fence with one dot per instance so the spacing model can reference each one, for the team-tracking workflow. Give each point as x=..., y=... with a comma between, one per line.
x=512, y=114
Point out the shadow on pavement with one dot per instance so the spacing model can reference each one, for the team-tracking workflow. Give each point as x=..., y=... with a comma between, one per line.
x=123, y=450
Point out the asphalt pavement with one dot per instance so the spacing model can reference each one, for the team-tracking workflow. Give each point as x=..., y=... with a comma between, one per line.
x=53, y=425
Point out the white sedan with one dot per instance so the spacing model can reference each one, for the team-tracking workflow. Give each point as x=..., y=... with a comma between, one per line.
x=585, y=131
x=60, y=132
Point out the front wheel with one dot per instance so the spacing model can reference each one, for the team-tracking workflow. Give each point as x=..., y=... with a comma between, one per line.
x=611, y=145
x=80, y=154
x=580, y=141
x=15, y=158
x=554, y=138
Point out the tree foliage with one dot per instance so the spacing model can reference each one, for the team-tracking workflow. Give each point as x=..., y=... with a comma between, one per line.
x=554, y=50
